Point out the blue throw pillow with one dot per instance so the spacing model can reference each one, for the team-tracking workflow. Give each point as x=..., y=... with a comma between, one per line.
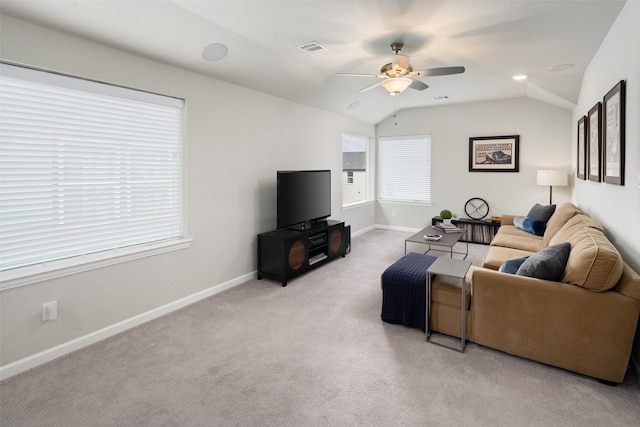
x=530, y=225
x=548, y=264
x=511, y=266
x=541, y=213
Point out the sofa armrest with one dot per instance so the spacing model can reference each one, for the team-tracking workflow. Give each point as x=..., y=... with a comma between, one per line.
x=629, y=284
x=507, y=219
x=555, y=323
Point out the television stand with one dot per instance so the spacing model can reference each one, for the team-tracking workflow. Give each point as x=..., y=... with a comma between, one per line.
x=285, y=253
x=309, y=225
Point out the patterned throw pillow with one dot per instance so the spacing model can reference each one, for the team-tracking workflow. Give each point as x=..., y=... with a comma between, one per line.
x=530, y=225
x=511, y=266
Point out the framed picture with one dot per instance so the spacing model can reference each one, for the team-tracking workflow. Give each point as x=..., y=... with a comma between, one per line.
x=594, y=142
x=494, y=153
x=582, y=148
x=613, y=135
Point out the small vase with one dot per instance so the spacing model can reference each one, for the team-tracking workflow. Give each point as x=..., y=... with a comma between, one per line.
x=447, y=221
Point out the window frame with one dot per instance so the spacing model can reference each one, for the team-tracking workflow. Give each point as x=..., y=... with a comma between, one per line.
x=369, y=185
x=36, y=272
x=383, y=198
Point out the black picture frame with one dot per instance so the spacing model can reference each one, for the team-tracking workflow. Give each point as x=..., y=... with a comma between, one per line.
x=582, y=148
x=613, y=125
x=494, y=153
x=594, y=144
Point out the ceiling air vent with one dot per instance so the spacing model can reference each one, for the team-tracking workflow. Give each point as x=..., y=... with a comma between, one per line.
x=313, y=48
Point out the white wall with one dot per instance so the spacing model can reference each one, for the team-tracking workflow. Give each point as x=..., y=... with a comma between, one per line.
x=356, y=191
x=545, y=142
x=236, y=140
x=616, y=207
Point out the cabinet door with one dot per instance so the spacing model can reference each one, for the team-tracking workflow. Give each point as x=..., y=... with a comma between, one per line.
x=336, y=241
x=296, y=256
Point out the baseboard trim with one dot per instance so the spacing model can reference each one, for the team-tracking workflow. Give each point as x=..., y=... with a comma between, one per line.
x=364, y=230
x=63, y=349
x=395, y=228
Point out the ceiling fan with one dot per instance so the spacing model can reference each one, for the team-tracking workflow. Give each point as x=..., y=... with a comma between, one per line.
x=398, y=75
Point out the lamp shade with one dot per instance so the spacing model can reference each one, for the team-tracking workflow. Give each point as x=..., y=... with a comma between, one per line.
x=396, y=85
x=553, y=177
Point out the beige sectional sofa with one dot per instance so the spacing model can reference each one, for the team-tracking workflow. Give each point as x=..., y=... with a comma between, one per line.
x=585, y=322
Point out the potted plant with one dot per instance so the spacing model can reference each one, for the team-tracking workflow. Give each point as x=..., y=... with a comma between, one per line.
x=446, y=216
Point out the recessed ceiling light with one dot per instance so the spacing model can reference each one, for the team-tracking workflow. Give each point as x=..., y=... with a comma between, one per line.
x=441, y=97
x=519, y=77
x=561, y=67
x=354, y=105
x=215, y=52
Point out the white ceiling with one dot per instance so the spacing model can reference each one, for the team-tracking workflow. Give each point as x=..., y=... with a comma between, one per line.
x=492, y=39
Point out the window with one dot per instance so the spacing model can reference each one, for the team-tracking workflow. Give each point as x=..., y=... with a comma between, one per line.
x=405, y=169
x=355, y=158
x=85, y=168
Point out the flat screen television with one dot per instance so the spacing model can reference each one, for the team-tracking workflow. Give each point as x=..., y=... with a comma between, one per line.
x=304, y=198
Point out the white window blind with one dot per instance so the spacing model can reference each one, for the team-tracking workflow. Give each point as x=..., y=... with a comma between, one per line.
x=405, y=169
x=85, y=167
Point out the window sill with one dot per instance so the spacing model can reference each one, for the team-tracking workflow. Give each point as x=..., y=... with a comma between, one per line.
x=38, y=273
x=357, y=204
x=404, y=202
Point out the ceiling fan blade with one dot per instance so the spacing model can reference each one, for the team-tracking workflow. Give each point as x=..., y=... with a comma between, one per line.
x=370, y=87
x=442, y=71
x=418, y=85
x=356, y=75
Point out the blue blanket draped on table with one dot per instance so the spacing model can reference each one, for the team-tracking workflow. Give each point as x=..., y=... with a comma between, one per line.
x=404, y=290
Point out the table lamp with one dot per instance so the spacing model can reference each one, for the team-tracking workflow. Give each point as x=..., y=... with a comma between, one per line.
x=552, y=177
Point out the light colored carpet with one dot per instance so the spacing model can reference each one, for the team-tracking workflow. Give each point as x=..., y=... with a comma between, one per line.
x=312, y=354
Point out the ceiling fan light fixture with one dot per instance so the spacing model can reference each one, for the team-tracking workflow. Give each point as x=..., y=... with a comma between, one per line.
x=396, y=85
x=400, y=62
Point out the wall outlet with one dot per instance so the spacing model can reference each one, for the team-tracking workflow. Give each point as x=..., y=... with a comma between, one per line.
x=50, y=311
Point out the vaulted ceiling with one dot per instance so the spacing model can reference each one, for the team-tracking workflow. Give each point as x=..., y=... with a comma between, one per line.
x=550, y=41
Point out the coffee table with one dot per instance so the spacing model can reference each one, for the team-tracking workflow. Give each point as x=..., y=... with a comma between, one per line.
x=448, y=240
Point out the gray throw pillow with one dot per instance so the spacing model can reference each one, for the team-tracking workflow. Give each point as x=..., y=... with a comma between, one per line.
x=541, y=213
x=548, y=264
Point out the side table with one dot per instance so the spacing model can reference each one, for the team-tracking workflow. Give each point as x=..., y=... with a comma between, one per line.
x=454, y=268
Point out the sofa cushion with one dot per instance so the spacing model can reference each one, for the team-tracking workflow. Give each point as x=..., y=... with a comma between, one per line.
x=541, y=213
x=548, y=264
x=563, y=213
x=594, y=263
x=509, y=236
x=511, y=266
x=573, y=225
x=498, y=254
x=530, y=225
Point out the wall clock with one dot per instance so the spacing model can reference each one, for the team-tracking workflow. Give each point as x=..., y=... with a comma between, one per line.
x=476, y=208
